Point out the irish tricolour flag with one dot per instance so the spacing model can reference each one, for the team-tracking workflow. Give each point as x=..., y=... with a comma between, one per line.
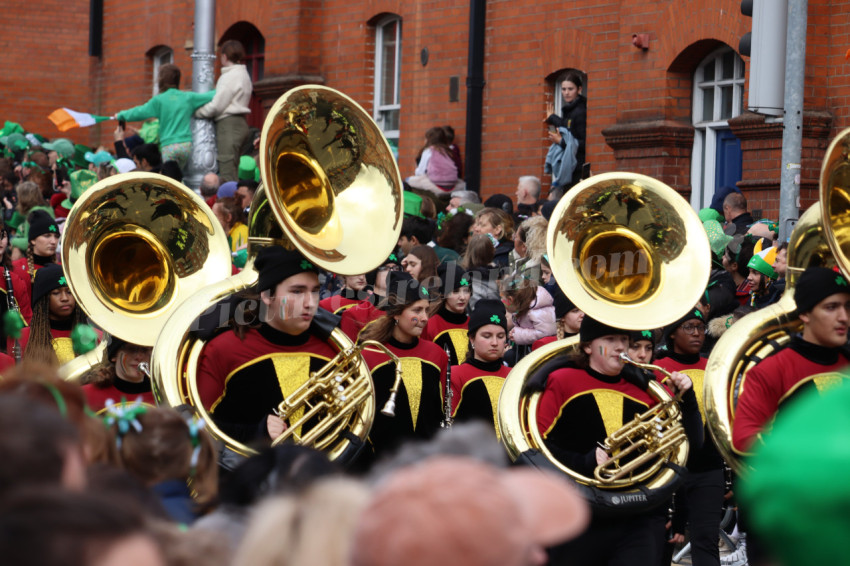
x=65, y=119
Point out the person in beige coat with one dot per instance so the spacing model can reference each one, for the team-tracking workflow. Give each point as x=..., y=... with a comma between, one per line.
x=228, y=108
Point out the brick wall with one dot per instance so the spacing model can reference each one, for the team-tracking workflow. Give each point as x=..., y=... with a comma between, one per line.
x=639, y=102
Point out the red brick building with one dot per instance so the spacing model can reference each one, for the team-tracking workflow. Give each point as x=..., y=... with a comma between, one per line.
x=667, y=111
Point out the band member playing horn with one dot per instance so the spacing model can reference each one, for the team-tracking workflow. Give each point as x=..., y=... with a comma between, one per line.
x=699, y=499
x=448, y=327
x=119, y=375
x=477, y=383
x=419, y=401
x=816, y=358
x=244, y=374
x=581, y=405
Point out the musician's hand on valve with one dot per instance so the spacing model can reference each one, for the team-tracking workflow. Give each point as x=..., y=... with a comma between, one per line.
x=681, y=382
x=275, y=425
x=601, y=456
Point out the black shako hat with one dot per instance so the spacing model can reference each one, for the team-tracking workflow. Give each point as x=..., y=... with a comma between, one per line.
x=487, y=311
x=592, y=329
x=405, y=289
x=275, y=264
x=47, y=278
x=40, y=223
x=453, y=277
x=816, y=284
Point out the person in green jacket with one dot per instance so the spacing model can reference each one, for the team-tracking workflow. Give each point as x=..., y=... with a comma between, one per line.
x=174, y=108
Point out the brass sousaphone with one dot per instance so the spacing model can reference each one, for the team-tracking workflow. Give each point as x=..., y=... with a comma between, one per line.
x=135, y=247
x=820, y=238
x=331, y=189
x=630, y=252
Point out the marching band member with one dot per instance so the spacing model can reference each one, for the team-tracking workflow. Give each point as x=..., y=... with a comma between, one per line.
x=119, y=376
x=419, y=401
x=568, y=319
x=245, y=373
x=699, y=499
x=55, y=314
x=816, y=358
x=580, y=406
x=447, y=328
x=353, y=291
x=355, y=318
x=477, y=383
x=43, y=236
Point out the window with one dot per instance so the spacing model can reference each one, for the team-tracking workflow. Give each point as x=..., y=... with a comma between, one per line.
x=387, y=75
x=557, y=97
x=718, y=96
x=160, y=56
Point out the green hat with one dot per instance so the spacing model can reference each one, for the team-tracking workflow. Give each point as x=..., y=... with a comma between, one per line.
x=80, y=181
x=99, y=158
x=16, y=141
x=79, y=158
x=412, y=204
x=797, y=494
x=62, y=146
x=717, y=239
x=248, y=170
x=762, y=261
x=11, y=128
x=710, y=214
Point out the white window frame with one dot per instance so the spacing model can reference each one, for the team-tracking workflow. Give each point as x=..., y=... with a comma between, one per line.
x=704, y=155
x=162, y=56
x=379, y=107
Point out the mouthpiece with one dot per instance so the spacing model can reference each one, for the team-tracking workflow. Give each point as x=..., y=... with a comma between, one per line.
x=145, y=368
x=389, y=407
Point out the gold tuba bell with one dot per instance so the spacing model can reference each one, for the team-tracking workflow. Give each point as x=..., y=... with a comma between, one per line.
x=630, y=252
x=135, y=247
x=331, y=189
x=820, y=238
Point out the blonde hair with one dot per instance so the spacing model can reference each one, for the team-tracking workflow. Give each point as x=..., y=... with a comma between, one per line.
x=498, y=218
x=532, y=232
x=315, y=527
x=29, y=196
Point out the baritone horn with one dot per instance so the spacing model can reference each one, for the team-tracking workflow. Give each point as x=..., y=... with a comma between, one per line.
x=630, y=252
x=330, y=189
x=820, y=238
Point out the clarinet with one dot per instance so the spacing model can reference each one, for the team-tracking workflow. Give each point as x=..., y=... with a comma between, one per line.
x=13, y=306
x=447, y=410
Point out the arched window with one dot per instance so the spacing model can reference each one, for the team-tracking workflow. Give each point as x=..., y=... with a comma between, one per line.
x=255, y=54
x=718, y=96
x=387, y=77
x=160, y=56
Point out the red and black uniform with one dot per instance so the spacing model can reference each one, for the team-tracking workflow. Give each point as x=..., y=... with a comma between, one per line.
x=549, y=339
x=356, y=317
x=802, y=366
x=419, y=402
x=21, y=292
x=476, y=386
x=337, y=304
x=578, y=409
x=241, y=382
x=701, y=495
x=118, y=389
x=20, y=267
x=60, y=331
x=449, y=331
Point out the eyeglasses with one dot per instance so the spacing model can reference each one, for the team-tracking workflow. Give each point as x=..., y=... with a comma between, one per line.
x=693, y=328
x=389, y=268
